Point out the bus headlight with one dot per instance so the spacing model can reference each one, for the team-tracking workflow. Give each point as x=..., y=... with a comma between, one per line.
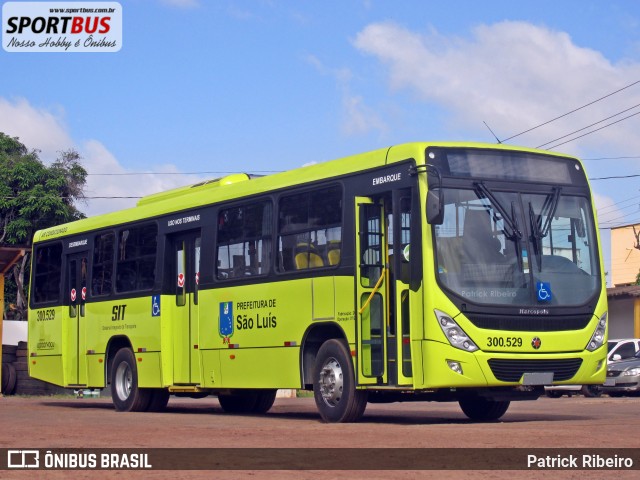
x=454, y=333
x=597, y=339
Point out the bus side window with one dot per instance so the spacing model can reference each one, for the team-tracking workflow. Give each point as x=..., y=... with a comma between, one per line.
x=244, y=241
x=137, y=248
x=103, y=252
x=310, y=229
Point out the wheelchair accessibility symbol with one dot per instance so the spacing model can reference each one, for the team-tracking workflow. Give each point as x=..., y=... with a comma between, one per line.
x=543, y=290
x=155, y=306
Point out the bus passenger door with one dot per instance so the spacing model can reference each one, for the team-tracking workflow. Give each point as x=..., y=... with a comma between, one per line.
x=399, y=336
x=74, y=321
x=371, y=292
x=186, y=263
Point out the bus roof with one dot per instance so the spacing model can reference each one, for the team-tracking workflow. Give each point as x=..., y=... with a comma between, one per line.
x=241, y=184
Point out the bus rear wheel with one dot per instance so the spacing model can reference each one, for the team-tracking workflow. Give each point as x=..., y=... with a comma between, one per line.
x=159, y=398
x=334, y=388
x=125, y=393
x=483, y=409
x=264, y=400
x=241, y=401
x=248, y=401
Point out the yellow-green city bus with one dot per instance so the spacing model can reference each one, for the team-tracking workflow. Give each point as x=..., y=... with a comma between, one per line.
x=421, y=272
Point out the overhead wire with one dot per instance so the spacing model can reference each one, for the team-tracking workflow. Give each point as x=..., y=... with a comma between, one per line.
x=593, y=124
x=616, y=177
x=509, y=138
x=572, y=111
x=614, y=206
x=609, y=158
x=593, y=131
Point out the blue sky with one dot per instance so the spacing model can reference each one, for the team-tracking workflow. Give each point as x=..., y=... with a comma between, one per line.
x=257, y=86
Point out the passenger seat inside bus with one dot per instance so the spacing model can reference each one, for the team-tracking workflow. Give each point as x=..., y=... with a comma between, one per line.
x=306, y=256
x=333, y=252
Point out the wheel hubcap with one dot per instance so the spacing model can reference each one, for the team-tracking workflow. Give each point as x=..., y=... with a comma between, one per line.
x=124, y=381
x=331, y=382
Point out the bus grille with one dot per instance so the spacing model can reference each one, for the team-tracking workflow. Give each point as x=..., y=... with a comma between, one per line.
x=554, y=323
x=512, y=370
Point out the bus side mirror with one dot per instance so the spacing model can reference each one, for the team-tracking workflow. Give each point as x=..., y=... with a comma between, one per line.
x=435, y=207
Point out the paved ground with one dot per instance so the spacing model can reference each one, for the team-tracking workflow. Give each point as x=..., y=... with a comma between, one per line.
x=574, y=423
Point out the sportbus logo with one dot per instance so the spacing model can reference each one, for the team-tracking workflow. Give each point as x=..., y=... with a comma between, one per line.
x=62, y=26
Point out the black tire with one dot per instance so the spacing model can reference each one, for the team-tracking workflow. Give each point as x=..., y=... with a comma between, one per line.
x=591, y=391
x=159, y=399
x=125, y=393
x=264, y=400
x=553, y=393
x=238, y=402
x=334, y=387
x=482, y=409
x=9, y=379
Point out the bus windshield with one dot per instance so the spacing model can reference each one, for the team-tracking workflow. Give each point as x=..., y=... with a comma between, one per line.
x=517, y=249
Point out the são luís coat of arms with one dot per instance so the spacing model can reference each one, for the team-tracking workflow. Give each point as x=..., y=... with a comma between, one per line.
x=225, y=321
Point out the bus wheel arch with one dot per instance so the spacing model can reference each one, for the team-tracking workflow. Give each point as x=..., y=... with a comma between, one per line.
x=114, y=345
x=313, y=339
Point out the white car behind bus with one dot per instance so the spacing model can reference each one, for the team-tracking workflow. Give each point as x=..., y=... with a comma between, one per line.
x=619, y=349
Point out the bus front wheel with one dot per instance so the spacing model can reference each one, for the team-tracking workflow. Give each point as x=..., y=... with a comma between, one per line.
x=483, y=409
x=334, y=389
x=125, y=393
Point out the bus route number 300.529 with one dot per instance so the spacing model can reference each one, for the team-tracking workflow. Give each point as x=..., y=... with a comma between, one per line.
x=504, y=342
x=44, y=315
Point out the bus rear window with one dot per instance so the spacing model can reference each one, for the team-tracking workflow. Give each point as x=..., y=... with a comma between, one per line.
x=48, y=272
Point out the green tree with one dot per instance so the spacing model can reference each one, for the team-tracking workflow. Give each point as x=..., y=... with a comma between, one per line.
x=34, y=196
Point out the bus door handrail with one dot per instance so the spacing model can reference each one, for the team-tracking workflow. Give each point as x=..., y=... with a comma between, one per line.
x=374, y=291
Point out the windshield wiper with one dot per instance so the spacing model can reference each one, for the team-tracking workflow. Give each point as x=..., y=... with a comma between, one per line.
x=537, y=235
x=550, y=204
x=510, y=220
x=538, y=231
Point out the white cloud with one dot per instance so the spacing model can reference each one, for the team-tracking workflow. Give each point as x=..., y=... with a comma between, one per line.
x=36, y=128
x=118, y=185
x=514, y=75
x=40, y=129
x=358, y=117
